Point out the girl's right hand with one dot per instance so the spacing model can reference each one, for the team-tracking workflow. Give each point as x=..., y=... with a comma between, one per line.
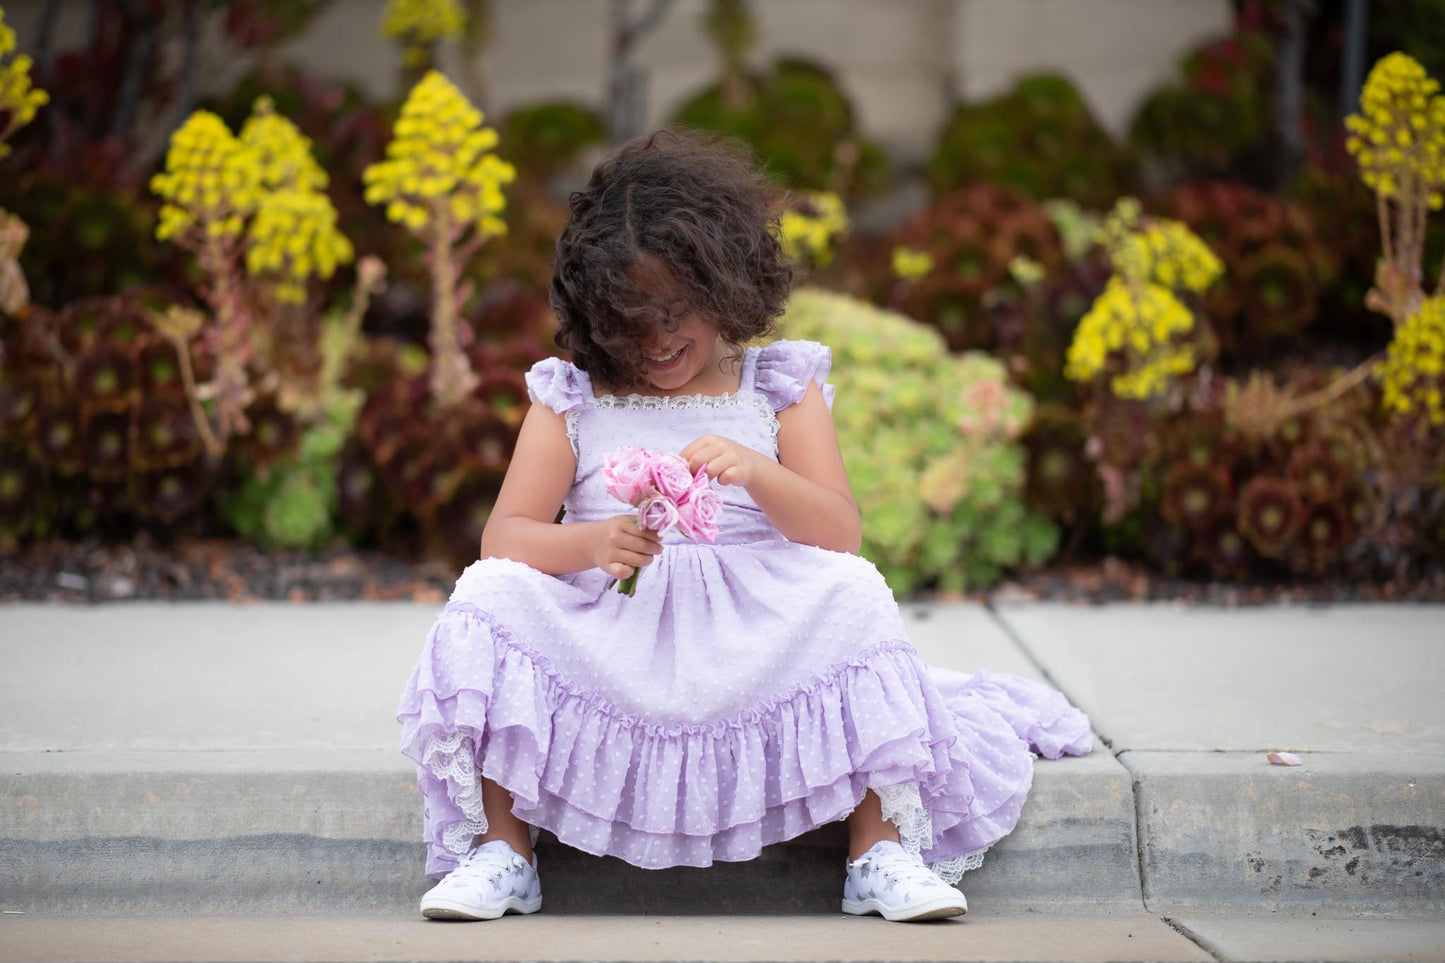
x=619, y=546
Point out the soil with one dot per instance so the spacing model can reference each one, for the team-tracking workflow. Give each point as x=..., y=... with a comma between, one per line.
x=92, y=571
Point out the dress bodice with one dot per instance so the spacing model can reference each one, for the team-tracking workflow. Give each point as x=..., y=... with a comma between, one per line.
x=773, y=377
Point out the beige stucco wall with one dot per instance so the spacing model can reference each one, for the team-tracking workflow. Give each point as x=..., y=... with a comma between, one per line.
x=900, y=60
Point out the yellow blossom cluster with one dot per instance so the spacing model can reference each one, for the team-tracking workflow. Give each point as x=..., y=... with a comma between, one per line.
x=263, y=190
x=439, y=166
x=283, y=152
x=1399, y=136
x=910, y=265
x=809, y=230
x=210, y=181
x=1142, y=322
x=420, y=23
x=294, y=236
x=1411, y=374
x=1138, y=317
x=18, y=100
x=1169, y=254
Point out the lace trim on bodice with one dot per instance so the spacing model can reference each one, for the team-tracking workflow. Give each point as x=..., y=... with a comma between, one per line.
x=660, y=403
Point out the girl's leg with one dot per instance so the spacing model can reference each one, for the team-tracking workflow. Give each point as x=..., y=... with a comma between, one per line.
x=501, y=824
x=866, y=825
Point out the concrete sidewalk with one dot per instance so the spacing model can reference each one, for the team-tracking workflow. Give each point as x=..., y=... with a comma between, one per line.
x=241, y=761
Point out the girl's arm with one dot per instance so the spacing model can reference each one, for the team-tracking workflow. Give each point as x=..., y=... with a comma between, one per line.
x=523, y=526
x=805, y=493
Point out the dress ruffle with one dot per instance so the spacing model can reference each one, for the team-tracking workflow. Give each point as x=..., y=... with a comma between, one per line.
x=655, y=795
x=558, y=385
x=784, y=369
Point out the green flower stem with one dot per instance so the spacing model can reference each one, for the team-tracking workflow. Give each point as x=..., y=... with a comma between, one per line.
x=627, y=586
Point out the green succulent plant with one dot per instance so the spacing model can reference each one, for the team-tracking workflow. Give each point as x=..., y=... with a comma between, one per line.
x=293, y=503
x=932, y=445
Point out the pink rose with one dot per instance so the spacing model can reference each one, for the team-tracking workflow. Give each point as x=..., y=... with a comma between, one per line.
x=657, y=514
x=698, y=516
x=700, y=482
x=670, y=476
x=628, y=473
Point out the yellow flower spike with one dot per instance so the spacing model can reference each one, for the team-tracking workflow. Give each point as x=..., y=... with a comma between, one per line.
x=294, y=235
x=1137, y=317
x=1410, y=375
x=420, y=23
x=203, y=152
x=810, y=231
x=1399, y=98
x=423, y=161
x=281, y=154
x=18, y=99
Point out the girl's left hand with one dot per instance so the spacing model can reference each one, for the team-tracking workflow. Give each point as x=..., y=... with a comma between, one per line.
x=727, y=461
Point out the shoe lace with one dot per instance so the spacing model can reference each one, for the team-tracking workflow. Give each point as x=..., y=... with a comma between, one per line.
x=487, y=865
x=905, y=868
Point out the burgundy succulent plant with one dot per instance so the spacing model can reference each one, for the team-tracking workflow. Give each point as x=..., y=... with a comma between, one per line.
x=1270, y=513
x=1318, y=475
x=1061, y=481
x=1195, y=496
x=1275, y=262
x=1324, y=533
x=1225, y=552
x=972, y=234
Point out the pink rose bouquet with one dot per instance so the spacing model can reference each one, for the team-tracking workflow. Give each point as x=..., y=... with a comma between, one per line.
x=665, y=495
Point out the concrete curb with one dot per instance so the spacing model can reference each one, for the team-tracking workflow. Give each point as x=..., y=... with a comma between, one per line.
x=239, y=758
x=1361, y=831
x=278, y=831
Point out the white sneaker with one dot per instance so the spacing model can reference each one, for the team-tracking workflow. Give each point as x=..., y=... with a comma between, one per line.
x=489, y=881
x=890, y=881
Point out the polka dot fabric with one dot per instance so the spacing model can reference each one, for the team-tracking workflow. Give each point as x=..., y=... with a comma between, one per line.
x=751, y=690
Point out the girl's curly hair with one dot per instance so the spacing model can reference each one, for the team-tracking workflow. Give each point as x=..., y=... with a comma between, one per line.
x=677, y=207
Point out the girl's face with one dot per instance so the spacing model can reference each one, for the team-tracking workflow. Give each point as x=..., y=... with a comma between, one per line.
x=687, y=354
x=679, y=359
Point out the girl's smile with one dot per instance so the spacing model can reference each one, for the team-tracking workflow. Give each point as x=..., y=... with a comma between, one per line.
x=686, y=360
x=669, y=362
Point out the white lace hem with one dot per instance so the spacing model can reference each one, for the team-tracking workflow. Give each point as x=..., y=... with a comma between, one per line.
x=452, y=759
x=903, y=806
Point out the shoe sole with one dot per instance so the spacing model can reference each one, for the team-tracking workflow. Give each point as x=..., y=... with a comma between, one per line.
x=445, y=909
x=936, y=910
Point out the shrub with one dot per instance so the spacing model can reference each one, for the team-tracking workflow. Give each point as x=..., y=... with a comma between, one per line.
x=931, y=443
x=801, y=127
x=1039, y=139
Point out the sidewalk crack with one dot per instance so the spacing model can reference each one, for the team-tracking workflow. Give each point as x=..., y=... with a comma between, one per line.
x=1139, y=870
x=1199, y=941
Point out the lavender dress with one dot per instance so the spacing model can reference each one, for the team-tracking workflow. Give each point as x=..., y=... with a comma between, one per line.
x=751, y=690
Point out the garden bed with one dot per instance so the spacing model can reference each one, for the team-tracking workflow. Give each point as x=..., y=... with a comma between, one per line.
x=219, y=569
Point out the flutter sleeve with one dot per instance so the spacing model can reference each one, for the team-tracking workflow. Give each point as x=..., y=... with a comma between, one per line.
x=558, y=384
x=786, y=367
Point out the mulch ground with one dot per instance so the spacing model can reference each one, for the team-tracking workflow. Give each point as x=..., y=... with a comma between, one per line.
x=63, y=571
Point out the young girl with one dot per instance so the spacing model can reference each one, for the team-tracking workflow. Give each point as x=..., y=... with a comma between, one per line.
x=753, y=688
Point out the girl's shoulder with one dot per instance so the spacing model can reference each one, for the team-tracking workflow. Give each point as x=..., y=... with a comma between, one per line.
x=558, y=384
x=784, y=369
